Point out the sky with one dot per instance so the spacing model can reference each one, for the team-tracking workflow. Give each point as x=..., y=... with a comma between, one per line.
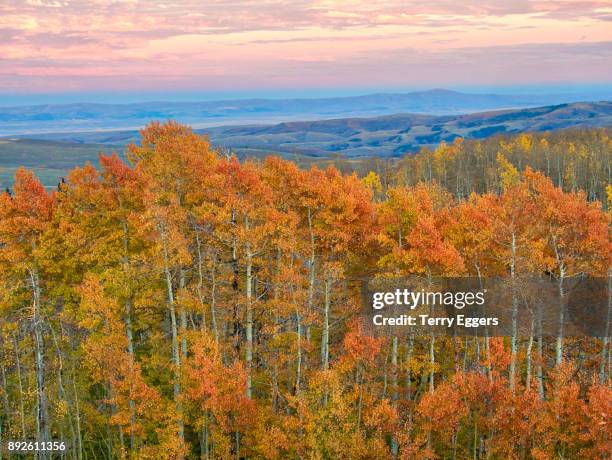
x=145, y=49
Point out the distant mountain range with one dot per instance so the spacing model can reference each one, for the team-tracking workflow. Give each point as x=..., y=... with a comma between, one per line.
x=93, y=117
x=52, y=155
x=385, y=136
x=397, y=135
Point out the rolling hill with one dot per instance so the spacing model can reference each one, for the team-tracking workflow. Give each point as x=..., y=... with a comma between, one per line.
x=51, y=155
x=90, y=117
x=396, y=135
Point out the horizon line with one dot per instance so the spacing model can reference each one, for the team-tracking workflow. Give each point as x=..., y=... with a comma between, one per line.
x=196, y=96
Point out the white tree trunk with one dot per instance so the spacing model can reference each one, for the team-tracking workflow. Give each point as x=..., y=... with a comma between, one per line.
x=42, y=412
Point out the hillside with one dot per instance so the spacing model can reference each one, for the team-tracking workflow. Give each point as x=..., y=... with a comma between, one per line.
x=50, y=159
x=397, y=135
x=96, y=116
x=51, y=155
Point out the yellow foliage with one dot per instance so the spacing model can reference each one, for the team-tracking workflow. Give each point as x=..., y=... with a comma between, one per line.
x=372, y=181
x=508, y=174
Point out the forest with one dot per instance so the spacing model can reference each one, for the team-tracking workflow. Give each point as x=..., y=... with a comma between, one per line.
x=189, y=305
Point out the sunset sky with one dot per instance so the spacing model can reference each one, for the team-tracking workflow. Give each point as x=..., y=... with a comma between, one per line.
x=229, y=47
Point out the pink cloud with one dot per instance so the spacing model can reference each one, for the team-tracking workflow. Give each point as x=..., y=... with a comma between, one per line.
x=54, y=45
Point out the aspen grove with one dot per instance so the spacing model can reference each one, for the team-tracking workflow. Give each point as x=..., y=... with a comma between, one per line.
x=185, y=304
